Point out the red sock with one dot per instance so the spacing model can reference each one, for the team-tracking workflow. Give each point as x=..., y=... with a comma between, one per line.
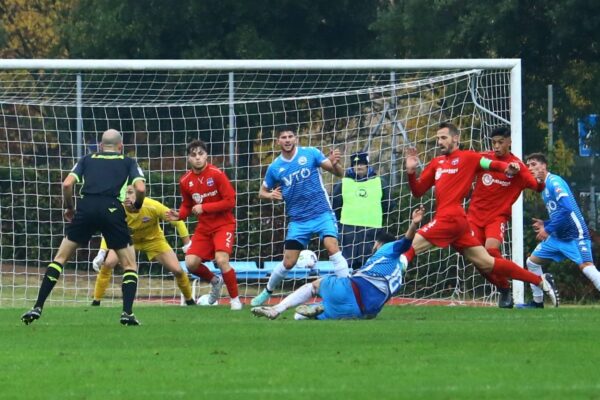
x=495, y=279
x=494, y=252
x=511, y=270
x=410, y=254
x=231, y=283
x=203, y=272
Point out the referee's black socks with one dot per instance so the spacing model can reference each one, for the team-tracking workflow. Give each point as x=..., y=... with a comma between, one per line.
x=50, y=278
x=129, y=288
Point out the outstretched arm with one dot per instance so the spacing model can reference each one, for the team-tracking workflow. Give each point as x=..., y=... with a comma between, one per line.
x=418, y=185
x=402, y=245
x=417, y=217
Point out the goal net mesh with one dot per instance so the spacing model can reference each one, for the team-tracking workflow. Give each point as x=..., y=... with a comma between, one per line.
x=49, y=118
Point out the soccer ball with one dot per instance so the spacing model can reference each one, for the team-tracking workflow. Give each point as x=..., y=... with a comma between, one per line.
x=307, y=259
x=203, y=301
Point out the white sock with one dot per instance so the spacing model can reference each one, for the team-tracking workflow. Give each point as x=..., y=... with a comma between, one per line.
x=340, y=265
x=538, y=293
x=303, y=294
x=592, y=274
x=277, y=276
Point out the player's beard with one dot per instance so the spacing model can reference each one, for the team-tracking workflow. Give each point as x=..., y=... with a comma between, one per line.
x=291, y=149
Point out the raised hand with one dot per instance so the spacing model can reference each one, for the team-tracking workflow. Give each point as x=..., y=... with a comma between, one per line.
x=334, y=156
x=411, y=159
x=417, y=215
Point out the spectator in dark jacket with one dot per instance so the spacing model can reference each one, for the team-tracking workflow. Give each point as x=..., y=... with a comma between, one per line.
x=360, y=202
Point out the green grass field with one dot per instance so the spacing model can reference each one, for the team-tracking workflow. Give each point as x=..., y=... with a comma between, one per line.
x=214, y=353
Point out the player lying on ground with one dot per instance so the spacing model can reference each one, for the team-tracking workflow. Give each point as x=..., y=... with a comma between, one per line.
x=147, y=237
x=99, y=209
x=564, y=235
x=490, y=207
x=360, y=296
x=295, y=178
x=452, y=174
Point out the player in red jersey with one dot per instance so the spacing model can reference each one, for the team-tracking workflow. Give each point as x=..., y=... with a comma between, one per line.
x=490, y=207
x=208, y=194
x=452, y=174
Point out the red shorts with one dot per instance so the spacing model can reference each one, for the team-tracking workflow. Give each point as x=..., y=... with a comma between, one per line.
x=492, y=230
x=204, y=245
x=450, y=230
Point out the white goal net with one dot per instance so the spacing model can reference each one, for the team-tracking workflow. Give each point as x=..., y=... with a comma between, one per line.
x=53, y=112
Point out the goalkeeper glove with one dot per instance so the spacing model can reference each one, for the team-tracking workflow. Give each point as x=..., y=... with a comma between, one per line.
x=186, y=247
x=99, y=260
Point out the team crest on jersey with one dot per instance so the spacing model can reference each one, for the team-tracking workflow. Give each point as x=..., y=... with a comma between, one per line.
x=302, y=160
x=210, y=182
x=146, y=219
x=197, y=198
x=487, y=179
x=455, y=161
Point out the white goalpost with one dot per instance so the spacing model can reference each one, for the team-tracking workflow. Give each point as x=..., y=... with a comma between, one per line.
x=53, y=111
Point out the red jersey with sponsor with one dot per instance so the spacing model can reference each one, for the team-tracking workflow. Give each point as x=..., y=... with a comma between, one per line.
x=495, y=192
x=212, y=189
x=452, y=176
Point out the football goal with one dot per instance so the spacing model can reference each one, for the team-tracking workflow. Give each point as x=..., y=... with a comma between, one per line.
x=53, y=111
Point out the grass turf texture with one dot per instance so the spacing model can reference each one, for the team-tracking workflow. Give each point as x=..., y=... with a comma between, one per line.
x=214, y=353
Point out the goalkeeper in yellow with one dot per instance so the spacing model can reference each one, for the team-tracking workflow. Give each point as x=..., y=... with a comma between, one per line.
x=147, y=237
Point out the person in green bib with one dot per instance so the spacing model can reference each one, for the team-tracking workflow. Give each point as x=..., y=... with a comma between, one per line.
x=360, y=201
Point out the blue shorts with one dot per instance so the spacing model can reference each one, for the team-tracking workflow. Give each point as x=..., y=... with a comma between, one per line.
x=302, y=231
x=339, y=301
x=576, y=250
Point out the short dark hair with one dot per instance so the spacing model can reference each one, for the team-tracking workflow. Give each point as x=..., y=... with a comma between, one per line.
x=285, y=128
x=539, y=157
x=501, y=131
x=453, y=129
x=384, y=237
x=195, y=144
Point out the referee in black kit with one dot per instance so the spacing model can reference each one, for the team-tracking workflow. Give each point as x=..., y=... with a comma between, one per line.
x=104, y=176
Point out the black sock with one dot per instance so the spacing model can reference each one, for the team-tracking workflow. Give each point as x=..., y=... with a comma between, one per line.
x=50, y=278
x=129, y=287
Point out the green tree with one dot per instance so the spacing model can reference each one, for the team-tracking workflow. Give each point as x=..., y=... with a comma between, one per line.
x=557, y=41
x=220, y=29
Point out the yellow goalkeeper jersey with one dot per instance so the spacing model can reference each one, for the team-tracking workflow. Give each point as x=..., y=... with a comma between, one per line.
x=145, y=224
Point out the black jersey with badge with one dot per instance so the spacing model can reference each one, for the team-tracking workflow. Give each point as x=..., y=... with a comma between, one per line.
x=106, y=174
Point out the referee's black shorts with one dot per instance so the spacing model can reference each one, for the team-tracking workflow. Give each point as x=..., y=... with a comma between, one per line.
x=99, y=214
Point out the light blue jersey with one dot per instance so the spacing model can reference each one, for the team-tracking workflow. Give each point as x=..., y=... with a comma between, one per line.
x=566, y=221
x=381, y=277
x=301, y=183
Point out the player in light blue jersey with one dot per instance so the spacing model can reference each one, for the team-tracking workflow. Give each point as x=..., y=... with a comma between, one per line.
x=295, y=178
x=564, y=235
x=360, y=296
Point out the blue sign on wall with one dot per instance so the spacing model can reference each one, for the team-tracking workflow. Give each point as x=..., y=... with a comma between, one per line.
x=589, y=135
